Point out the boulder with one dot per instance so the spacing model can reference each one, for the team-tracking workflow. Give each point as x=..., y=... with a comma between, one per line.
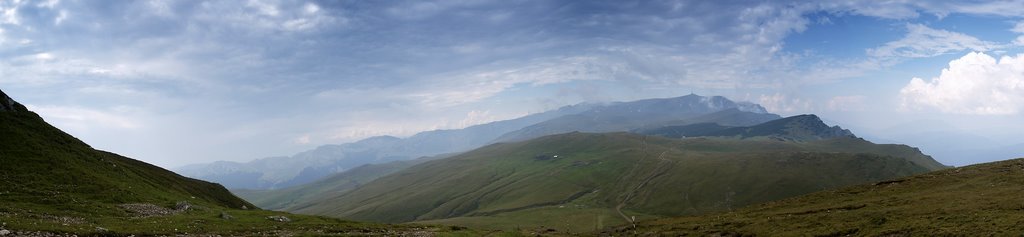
x=279, y=218
x=182, y=206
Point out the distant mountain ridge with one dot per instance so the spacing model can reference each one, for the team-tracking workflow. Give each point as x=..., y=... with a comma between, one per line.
x=625, y=116
x=309, y=166
x=806, y=127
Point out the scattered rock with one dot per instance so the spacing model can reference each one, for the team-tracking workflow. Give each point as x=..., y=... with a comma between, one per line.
x=279, y=218
x=4, y=232
x=101, y=229
x=224, y=215
x=146, y=210
x=182, y=206
x=245, y=207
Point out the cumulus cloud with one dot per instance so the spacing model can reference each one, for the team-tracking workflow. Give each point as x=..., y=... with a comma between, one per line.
x=973, y=84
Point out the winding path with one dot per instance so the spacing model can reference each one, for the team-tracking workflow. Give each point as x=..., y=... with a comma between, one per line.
x=662, y=167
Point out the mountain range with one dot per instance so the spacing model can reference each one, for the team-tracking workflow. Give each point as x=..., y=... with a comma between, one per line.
x=598, y=179
x=309, y=166
x=806, y=127
x=611, y=175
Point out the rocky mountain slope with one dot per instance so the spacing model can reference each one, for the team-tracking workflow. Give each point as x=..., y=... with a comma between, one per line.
x=796, y=128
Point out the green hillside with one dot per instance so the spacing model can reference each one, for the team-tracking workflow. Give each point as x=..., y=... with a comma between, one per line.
x=287, y=199
x=54, y=184
x=49, y=169
x=592, y=177
x=977, y=200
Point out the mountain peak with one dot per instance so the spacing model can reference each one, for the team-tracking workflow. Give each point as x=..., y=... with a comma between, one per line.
x=721, y=102
x=810, y=124
x=8, y=104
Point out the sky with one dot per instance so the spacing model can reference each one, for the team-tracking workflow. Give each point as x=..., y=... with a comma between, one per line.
x=181, y=82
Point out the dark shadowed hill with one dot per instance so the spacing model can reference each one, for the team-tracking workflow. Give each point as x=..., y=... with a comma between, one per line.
x=44, y=166
x=796, y=128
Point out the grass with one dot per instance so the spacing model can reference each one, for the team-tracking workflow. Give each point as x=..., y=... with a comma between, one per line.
x=207, y=221
x=977, y=200
x=498, y=186
x=55, y=183
x=288, y=198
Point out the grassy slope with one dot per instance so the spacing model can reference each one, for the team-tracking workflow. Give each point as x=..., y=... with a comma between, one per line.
x=977, y=200
x=290, y=198
x=53, y=182
x=44, y=167
x=595, y=173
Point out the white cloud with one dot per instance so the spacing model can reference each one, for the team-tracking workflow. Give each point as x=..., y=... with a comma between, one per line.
x=1019, y=28
x=782, y=104
x=269, y=15
x=974, y=84
x=83, y=119
x=304, y=139
x=922, y=41
x=940, y=9
x=472, y=86
x=61, y=16
x=48, y=3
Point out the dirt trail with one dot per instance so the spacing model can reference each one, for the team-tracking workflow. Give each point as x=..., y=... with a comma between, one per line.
x=662, y=167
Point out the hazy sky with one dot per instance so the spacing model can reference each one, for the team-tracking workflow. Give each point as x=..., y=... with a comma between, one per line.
x=179, y=82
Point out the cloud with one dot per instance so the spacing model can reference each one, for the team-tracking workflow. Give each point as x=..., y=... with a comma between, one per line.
x=913, y=9
x=783, y=104
x=1019, y=28
x=304, y=139
x=922, y=41
x=343, y=70
x=84, y=119
x=973, y=84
